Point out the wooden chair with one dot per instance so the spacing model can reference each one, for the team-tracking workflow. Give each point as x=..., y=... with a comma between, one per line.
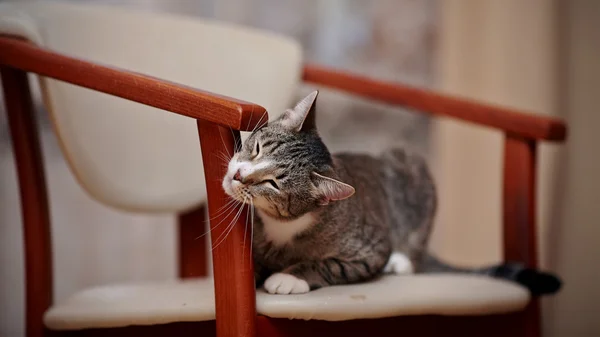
x=57, y=42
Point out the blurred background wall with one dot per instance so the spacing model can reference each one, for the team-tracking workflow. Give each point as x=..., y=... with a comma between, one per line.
x=574, y=249
x=542, y=56
x=503, y=52
x=539, y=55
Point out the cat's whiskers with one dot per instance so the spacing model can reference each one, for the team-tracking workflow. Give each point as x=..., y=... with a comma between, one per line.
x=249, y=120
x=251, y=227
x=238, y=142
x=245, y=231
x=223, y=156
x=243, y=195
x=231, y=211
x=259, y=121
x=228, y=229
x=231, y=203
x=224, y=145
x=218, y=240
x=250, y=213
x=223, y=209
x=231, y=208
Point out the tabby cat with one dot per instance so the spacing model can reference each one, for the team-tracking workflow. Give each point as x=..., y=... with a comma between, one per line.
x=325, y=220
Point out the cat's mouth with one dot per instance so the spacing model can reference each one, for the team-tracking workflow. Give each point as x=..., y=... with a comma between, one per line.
x=236, y=190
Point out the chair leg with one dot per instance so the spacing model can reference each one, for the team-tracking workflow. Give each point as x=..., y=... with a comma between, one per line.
x=532, y=319
x=519, y=198
x=192, y=243
x=34, y=202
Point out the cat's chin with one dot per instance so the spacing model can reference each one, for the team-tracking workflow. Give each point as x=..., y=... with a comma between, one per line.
x=232, y=195
x=230, y=190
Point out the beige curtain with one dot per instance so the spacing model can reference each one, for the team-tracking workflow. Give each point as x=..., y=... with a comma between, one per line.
x=539, y=55
x=499, y=52
x=574, y=250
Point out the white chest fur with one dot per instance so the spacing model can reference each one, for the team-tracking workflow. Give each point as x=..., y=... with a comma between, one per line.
x=282, y=232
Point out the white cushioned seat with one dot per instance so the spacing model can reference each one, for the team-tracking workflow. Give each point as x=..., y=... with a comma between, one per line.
x=193, y=300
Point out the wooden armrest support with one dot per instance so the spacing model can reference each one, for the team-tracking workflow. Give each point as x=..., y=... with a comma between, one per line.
x=233, y=271
x=230, y=112
x=519, y=123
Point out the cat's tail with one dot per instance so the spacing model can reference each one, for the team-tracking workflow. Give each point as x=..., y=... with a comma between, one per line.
x=538, y=282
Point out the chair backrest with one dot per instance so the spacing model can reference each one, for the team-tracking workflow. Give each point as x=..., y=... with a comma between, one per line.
x=128, y=155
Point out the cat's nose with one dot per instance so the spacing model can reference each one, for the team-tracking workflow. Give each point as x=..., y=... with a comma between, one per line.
x=237, y=176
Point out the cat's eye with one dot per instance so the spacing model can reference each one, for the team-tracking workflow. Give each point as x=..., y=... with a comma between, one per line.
x=272, y=183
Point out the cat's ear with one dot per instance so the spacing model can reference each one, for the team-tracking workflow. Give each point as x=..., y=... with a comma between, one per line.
x=331, y=189
x=302, y=116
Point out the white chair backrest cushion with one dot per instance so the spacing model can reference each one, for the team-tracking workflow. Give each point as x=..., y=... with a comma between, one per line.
x=128, y=155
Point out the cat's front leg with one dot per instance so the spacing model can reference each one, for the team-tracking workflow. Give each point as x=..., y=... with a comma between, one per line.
x=306, y=276
x=260, y=273
x=284, y=283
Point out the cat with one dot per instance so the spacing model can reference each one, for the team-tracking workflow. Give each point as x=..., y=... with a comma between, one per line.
x=324, y=220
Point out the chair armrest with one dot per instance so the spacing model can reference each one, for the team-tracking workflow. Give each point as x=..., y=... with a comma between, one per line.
x=198, y=104
x=514, y=122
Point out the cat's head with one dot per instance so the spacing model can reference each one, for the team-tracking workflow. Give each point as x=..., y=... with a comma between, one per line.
x=284, y=168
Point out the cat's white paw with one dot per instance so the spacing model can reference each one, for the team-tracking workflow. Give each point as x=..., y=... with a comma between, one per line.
x=281, y=283
x=398, y=264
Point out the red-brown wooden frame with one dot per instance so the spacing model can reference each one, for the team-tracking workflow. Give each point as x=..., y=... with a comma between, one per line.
x=192, y=246
x=234, y=290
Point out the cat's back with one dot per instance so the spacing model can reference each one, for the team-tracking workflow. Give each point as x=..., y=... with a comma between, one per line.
x=367, y=175
x=412, y=201
x=399, y=179
x=395, y=165
x=363, y=171
x=409, y=182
